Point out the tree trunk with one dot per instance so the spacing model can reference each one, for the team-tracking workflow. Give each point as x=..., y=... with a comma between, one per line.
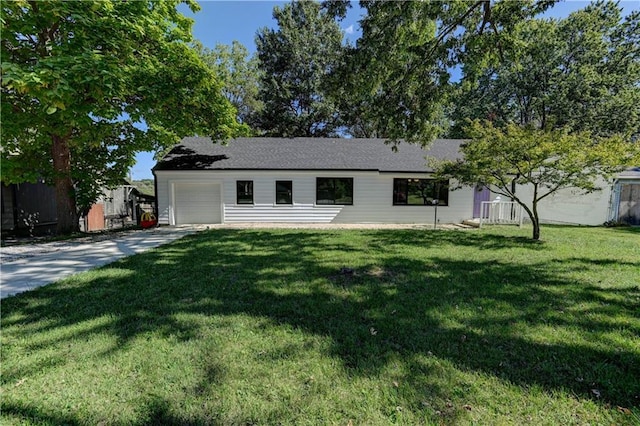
x=536, y=230
x=535, y=219
x=533, y=215
x=65, y=193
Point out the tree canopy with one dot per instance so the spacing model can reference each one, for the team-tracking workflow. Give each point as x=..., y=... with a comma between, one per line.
x=239, y=75
x=396, y=93
x=579, y=73
x=401, y=66
x=294, y=59
x=86, y=85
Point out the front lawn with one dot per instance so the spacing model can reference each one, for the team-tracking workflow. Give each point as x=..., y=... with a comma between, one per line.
x=337, y=327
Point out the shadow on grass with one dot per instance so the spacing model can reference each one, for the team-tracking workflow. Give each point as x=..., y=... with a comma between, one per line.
x=599, y=262
x=157, y=413
x=386, y=238
x=23, y=414
x=400, y=310
x=627, y=229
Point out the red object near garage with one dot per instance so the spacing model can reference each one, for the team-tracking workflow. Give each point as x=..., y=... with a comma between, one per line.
x=148, y=220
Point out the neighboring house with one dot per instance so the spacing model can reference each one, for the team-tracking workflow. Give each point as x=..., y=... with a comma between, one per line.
x=617, y=202
x=145, y=197
x=117, y=207
x=31, y=208
x=322, y=180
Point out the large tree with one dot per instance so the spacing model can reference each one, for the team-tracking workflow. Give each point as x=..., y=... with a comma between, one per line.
x=86, y=85
x=397, y=89
x=401, y=68
x=546, y=161
x=581, y=73
x=294, y=60
x=239, y=74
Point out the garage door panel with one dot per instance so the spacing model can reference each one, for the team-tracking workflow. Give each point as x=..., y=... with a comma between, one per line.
x=197, y=203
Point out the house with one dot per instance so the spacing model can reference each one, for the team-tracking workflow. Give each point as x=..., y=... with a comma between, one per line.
x=317, y=180
x=618, y=201
x=323, y=180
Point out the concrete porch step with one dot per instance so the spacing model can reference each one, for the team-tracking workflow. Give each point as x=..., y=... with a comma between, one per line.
x=473, y=223
x=460, y=226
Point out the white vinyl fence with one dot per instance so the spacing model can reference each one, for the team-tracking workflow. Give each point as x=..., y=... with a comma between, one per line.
x=498, y=212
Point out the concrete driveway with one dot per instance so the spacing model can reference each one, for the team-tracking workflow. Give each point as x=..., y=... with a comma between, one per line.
x=26, y=267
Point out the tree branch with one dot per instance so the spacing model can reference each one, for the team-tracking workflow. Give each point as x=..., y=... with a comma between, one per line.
x=498, y=44
x=457, y=22
x=501, y=191
x=486, y=18
x=54, y=28
x=556, y=187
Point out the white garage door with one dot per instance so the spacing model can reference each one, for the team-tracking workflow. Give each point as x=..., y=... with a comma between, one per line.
x=197, y=203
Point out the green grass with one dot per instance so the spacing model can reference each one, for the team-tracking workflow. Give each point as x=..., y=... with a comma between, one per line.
x=264, y=327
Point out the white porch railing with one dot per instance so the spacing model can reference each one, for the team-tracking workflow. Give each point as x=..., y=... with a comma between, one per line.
x=498, y=212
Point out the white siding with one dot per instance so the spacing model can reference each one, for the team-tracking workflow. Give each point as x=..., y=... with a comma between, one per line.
x=162, y=198
x=571, y=206
x=372, y=199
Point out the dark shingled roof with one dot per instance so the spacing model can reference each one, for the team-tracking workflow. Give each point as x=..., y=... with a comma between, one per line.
x=304, y=154
x=631, y=173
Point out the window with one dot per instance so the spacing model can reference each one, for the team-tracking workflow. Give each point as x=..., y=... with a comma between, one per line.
x=420, y=192
x=334, y=191
x=244, y=190
x=284, y=192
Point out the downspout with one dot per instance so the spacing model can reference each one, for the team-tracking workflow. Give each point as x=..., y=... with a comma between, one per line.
x=155, y=193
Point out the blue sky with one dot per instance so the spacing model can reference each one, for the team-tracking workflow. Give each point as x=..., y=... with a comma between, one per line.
x=225, y=21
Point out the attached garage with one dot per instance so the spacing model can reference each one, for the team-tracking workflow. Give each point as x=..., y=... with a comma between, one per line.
x=197, y=203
